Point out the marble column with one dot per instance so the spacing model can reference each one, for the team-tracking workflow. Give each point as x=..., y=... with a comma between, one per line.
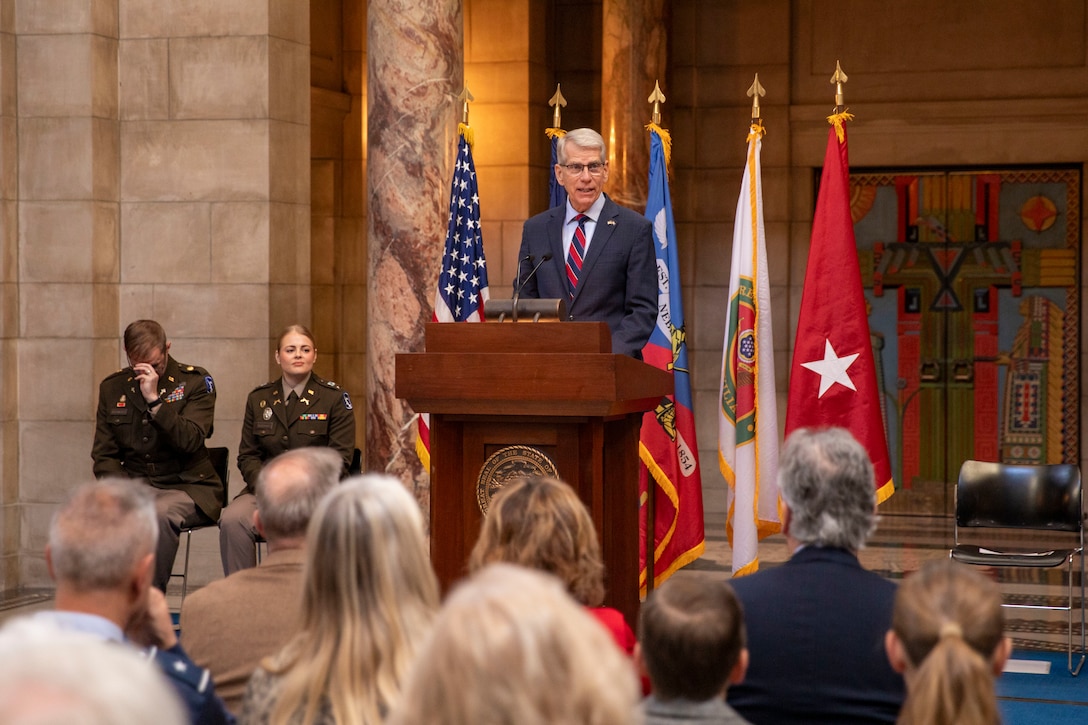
x=633, y=55
x=415, y=69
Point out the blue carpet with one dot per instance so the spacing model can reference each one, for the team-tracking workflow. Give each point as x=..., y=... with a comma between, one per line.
x=1053, y=699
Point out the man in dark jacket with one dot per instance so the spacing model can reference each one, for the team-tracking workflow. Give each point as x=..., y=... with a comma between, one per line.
x=816, y=624
x=153, y=418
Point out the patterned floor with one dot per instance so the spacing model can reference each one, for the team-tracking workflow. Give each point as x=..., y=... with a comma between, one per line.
x=901, y=544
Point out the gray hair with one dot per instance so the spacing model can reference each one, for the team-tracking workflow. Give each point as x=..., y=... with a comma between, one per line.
x=102, y=532
x=827, y=480
x=584, y=138
x=49, y=676
x=291, y=485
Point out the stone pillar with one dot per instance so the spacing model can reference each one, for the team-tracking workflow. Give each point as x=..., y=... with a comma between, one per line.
x=215, y=184
x=67, y=260
x=338, y=267
x=633, y=55
x=9, y=304
x=415, y=70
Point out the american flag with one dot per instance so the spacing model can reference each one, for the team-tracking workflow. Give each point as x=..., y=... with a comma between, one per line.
x=462, y=283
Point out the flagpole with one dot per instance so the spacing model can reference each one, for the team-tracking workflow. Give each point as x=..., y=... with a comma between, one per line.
x=833, y=377
x=747, y=417
x=670, y=480
x=756, y=91
x=557, y=102
x=557, y=195
x=839, y=80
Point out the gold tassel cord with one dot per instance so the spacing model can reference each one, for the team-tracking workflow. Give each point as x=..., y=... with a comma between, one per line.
x=554, y=133
x=465, y=130
x=756, y=130
x=837, y=120
x=666, y=141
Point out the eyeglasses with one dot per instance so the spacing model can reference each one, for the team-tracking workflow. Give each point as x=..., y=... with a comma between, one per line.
x=595, y=169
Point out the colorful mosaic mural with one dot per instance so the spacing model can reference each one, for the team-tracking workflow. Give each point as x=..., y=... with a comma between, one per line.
x=972, y=281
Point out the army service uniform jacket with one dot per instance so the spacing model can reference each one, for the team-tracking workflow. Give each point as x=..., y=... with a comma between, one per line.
x=167, y=448
x=322, y=417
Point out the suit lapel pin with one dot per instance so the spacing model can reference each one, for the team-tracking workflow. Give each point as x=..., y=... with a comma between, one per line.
x=611, y=222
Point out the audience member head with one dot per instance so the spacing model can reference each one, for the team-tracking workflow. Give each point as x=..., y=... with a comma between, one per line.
x=54, y=677
x=103, y=537
x=368, y=600
x=511, y=646
x=692, y=639
x=827, y=484
x=947, y=637
x=289, y=488
x=145, y=342
x=540, y=523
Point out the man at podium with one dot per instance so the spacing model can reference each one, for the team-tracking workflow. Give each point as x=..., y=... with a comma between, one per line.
x=591, y=252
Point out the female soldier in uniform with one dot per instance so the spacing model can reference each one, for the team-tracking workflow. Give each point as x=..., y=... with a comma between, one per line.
x=295, y=410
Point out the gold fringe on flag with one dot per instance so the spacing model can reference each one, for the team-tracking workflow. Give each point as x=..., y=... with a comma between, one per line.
x=837, y=120
x=666, y=141
x=554, y=132
x=756, y=130
x=465, y=130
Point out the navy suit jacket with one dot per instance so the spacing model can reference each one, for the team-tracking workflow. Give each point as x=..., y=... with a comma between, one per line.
x=618, y=283
x=816, y=630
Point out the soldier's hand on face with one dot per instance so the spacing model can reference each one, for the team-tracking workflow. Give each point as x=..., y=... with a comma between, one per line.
x=148, y=379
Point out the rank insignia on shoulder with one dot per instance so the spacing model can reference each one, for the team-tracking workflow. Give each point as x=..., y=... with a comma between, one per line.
x=331, y=384
x=208, y=383
x=189, y=368
x=347, y=400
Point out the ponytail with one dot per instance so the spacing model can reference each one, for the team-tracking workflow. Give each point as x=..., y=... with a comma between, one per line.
x=949, y=623
x=953, y=685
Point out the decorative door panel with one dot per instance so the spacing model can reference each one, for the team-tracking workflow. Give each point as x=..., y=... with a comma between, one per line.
x=972, y=279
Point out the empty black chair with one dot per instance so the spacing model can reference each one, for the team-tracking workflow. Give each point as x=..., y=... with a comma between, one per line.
x=1016, y=497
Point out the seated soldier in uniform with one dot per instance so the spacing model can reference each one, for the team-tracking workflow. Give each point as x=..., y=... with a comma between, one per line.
x=153, y=418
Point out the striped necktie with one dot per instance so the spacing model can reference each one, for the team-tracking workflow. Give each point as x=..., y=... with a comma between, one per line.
x=576, y=254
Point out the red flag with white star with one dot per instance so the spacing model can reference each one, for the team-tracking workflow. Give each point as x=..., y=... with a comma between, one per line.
x=833, y=373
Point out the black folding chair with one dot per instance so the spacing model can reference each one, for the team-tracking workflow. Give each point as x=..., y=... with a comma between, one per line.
x=1016, y=497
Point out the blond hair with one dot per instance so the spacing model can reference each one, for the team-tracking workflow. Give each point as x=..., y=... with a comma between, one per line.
x=949, y=621
x=540, y=523
x=368, y=600
x=510, y=646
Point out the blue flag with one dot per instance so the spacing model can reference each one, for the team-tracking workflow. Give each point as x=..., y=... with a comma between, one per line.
x=668, y=449
x=557, y=195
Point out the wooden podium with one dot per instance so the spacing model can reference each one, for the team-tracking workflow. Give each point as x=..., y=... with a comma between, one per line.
x=518, y=397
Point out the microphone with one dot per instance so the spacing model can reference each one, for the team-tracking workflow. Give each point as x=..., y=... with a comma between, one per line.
x=517, y=282
x=517, y=292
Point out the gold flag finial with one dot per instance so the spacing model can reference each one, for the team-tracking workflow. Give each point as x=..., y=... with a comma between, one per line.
x=756, y=91
x=656, y=98
x=839, y=79
x=466, y=97
x=557, y=101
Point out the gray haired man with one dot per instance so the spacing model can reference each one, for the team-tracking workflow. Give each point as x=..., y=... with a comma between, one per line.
x=231, y=624
x=816, y=624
